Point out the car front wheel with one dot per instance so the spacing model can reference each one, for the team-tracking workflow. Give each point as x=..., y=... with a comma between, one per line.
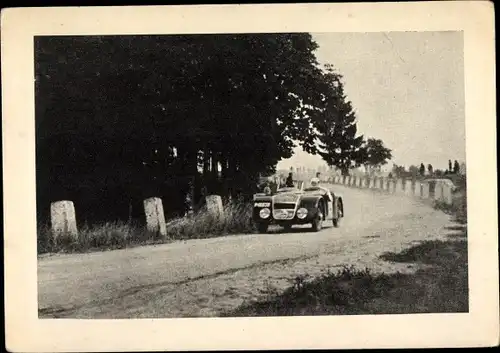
x=317, y=223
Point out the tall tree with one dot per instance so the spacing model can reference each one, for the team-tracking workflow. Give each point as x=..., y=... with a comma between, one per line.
x=422, y=169
x=339, y=144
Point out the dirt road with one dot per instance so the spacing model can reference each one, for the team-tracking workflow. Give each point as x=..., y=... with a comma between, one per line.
x=208, y=276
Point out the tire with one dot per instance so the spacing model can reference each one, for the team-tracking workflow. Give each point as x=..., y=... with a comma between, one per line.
x=262, y=227
x=337, y=220
x=287, y=227
x=317, y=223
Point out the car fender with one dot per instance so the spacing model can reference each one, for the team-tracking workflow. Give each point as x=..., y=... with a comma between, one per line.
x=311, y=203
x=259, y=203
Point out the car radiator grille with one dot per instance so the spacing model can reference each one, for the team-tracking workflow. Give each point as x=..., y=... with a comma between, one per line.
x=284, y=206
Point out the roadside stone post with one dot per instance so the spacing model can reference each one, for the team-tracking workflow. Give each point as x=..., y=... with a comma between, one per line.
x=155, y=218
x=418, y=188
x=425, y=190
x=214, y=205
x=360, y=181
x=63, y=218
x=438, y=192
x=363, y=182
x=389, y=185
x=382, y=183
x=399, y=186
x=409, y=187
x=447, y=194
x=372, y=183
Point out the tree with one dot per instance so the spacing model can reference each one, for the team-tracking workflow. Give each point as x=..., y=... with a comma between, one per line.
x=430, y=169
x=413, y=171
x=339, y=144
x=399, y=171
x=121, y=118
x=374, y=154
x=422, y=169
x=456, y=167
x=449, y=166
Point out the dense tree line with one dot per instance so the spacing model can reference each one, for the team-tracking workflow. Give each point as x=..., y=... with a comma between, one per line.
x=122, y=118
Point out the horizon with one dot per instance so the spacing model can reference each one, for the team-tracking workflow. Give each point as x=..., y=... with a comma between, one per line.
x=407, y=88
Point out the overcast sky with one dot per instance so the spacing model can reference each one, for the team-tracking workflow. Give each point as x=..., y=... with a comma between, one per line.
x=407, y=89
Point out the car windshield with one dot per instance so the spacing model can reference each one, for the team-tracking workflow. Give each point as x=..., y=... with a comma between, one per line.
x=314, y=188
x=282, y=190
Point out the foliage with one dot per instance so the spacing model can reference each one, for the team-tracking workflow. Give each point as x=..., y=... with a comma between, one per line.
x=121, y=118
x=339, y=144
x=374, y=154
x=421, y=170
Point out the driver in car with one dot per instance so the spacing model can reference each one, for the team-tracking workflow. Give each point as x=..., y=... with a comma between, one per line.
x=315, y=184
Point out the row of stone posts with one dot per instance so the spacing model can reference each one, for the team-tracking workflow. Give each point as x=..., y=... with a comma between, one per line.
x=442, y=191
x=63, y=215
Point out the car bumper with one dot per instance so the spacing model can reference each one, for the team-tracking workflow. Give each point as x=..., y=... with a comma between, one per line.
x=284, y=222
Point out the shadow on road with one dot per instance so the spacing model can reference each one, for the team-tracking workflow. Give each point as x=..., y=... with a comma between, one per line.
x=440, y=285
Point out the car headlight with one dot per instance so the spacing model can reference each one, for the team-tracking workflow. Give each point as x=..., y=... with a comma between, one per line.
x=265, y=213
x=302, y=213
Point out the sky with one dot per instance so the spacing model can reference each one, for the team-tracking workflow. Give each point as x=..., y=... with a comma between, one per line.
x=407, y=89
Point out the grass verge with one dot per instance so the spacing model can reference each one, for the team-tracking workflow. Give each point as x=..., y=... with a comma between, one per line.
x=119, y=235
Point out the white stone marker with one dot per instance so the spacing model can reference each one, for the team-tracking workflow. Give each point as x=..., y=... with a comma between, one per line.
x=425, y=190
x=418, y=188
x=409, y=187
x=63, y=218
x=447, y=194
x=399, y=186
x=438, y=191
x=214, y=205
x=155, y=218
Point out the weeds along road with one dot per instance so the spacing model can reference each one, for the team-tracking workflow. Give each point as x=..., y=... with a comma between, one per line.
x=208, y=276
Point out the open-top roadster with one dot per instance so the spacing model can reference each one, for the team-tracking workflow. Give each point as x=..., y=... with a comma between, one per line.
x=290, y=206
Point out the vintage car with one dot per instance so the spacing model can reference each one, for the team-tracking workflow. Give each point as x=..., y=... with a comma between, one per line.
x=294, y=206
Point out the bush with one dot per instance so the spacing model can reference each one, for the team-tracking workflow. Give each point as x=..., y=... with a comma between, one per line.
x=236, y=219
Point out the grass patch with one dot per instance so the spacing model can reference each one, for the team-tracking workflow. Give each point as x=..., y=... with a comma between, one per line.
x=105, y=236
x=458, y=208
x=440, y=287
x=235, y=220
x=119, y=235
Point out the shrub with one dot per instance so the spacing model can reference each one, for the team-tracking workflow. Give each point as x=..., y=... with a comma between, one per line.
x=236, y=219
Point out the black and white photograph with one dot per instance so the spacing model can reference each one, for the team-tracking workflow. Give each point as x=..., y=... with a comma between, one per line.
x=258, y=174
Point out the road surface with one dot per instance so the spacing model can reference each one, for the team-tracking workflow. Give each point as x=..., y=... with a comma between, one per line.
x=204, y=277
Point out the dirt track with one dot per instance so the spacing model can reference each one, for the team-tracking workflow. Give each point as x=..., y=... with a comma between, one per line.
x=205, y=277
